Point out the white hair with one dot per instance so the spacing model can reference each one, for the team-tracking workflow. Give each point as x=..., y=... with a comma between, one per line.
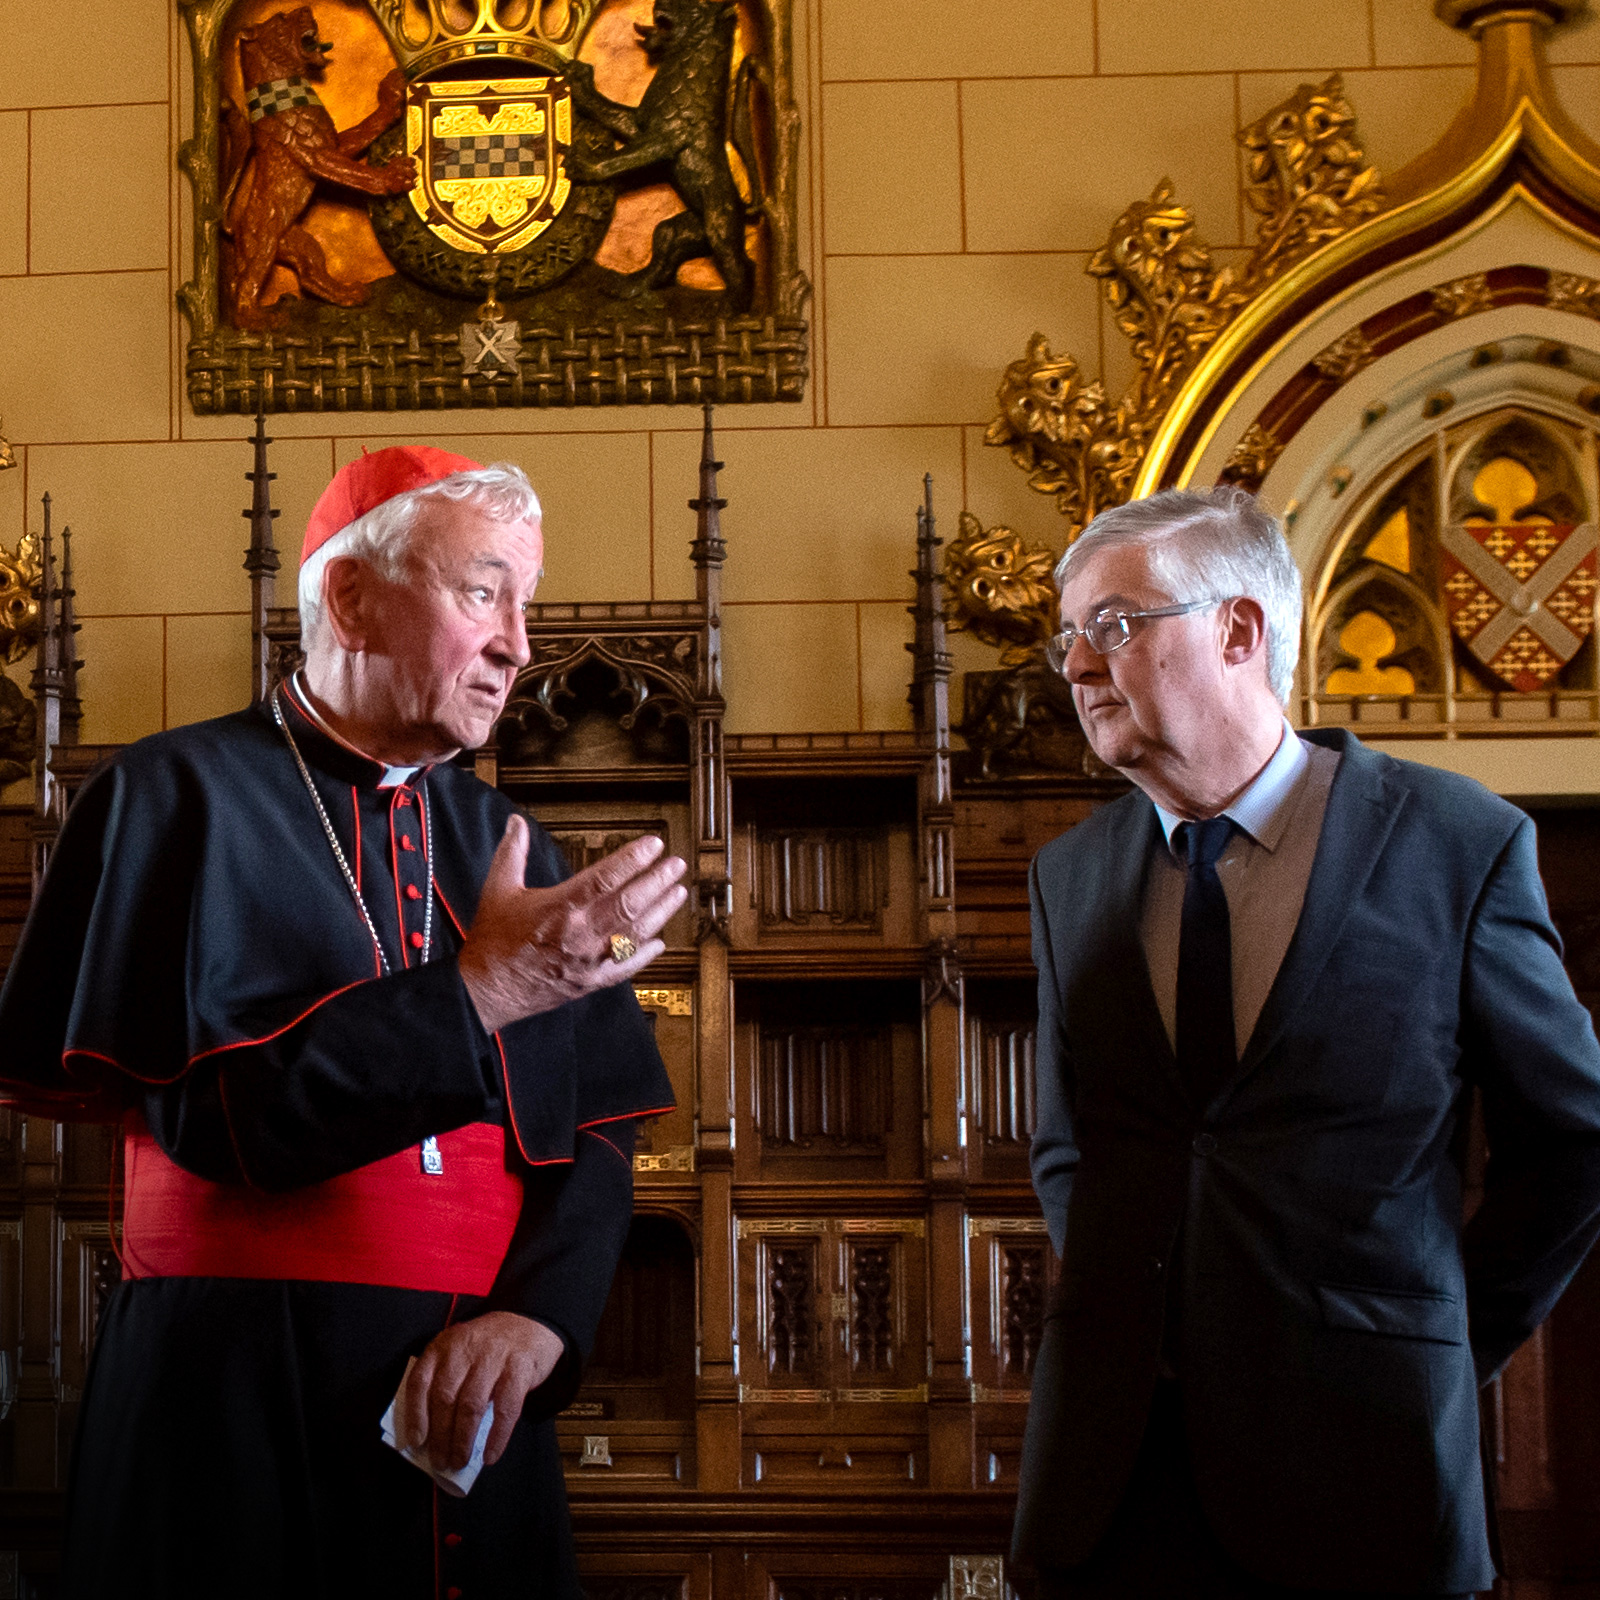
x=382, y=537
x=1207, y=544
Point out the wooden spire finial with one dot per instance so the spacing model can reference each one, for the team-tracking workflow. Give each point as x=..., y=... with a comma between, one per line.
x=71, y=703
x=261, y=560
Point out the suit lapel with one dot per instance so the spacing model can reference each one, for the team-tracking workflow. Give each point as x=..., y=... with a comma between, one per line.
x=1118, y=969
x=1361, y=814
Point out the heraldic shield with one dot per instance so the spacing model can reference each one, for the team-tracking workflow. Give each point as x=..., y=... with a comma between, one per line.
x=491, y=157
x=1519, y=588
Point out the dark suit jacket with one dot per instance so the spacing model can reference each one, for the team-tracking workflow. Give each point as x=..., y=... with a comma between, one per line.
x=1332, y=1318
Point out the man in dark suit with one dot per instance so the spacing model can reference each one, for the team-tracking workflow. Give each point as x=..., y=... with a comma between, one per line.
x=1264, y=1002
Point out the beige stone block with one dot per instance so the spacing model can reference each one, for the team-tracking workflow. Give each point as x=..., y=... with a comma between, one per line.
x=13, y=192
x=86, y=357
x=1577, y=41
x=159, y=527
x=93, y=59
x=13, y=500
x=1021, y=193
x=208, y=667
x=891, y=168
x=122, y=680
x=886, y=665
x=998, y=496
x=1578, y=89
x=791, y=668
x=595, y=491
x=1231, y=35
x=99, y=216
x=1407, y=34
x=925, y=339
x=828, y=514
x=1398, y=114
x=947, y=39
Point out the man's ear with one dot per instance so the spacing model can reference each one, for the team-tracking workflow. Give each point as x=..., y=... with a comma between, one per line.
x=346, y=602
x=1244, y=630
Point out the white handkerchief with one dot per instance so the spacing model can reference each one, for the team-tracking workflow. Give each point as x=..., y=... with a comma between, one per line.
x=456, y=1483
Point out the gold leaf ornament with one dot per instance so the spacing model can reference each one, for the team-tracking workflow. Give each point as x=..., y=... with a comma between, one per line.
x=1000, y=589
x=19, y=599
x=1307, y=181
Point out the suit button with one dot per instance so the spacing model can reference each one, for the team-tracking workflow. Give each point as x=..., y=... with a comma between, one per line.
x=1157, y=1266
x=1204, y=1144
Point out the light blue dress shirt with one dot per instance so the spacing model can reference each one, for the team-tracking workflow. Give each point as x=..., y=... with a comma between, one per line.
x=1264, y=873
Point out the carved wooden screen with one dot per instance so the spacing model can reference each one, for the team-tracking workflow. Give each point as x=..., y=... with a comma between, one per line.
x=828, y=1079
x=1001, y=1017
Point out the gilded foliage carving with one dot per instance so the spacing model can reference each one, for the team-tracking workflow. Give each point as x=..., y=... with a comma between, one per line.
x=20, y=572
x=1000, y=588
x=1305, y=177
x=1253, y=457
x=1307, y=181
x=1566, y=291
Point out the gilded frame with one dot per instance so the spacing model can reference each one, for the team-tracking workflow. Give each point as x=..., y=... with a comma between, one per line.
x=632, y=358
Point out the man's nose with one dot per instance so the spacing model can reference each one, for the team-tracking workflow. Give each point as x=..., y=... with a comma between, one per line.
x=510, y=643
x=1084, y=663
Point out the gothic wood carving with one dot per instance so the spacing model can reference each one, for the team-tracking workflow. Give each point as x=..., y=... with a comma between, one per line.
x=825, y=1085
x=791, y=1287
x=824, y=879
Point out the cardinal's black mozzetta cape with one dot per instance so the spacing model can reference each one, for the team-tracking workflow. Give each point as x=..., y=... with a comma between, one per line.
x=195, y=956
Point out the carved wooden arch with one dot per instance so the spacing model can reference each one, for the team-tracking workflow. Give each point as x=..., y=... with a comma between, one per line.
x=684, y=1213
x=654, y=672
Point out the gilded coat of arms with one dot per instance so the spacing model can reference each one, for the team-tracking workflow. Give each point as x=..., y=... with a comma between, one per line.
x=492, y=160
x=431, y=203
x=1519, y=588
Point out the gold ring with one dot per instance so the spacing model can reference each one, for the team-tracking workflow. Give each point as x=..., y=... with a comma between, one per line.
x=622, y=948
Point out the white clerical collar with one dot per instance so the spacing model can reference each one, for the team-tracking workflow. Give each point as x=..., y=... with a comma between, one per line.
x=393, y=777
x=1263, y=809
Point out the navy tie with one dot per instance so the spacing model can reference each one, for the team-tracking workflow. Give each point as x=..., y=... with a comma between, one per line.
x=1206, y=1050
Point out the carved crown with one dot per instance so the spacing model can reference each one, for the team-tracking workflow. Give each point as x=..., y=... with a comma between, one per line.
x=428, y=34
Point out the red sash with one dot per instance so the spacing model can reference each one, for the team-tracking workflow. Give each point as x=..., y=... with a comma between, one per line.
x=387, y=1223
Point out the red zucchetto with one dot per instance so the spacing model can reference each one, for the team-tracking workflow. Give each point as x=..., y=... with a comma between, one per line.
x=369, y=480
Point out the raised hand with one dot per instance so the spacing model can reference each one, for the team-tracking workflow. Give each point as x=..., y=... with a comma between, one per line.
x=531, y=950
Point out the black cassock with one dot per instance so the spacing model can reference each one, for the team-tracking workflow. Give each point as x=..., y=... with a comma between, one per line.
x=196, y=957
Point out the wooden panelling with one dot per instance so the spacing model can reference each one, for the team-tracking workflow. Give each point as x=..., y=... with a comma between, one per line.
x=821, y=880
x=1013, y=1271
x=1001, y=1081
x=828, y=1079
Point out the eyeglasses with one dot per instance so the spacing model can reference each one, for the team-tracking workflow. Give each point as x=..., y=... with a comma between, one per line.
x=1108, y=629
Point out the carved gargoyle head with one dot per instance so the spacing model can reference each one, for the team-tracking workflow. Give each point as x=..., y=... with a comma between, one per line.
x=1000, y=588
x=19, y=602
x=1038, y=392
x=289, y=44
